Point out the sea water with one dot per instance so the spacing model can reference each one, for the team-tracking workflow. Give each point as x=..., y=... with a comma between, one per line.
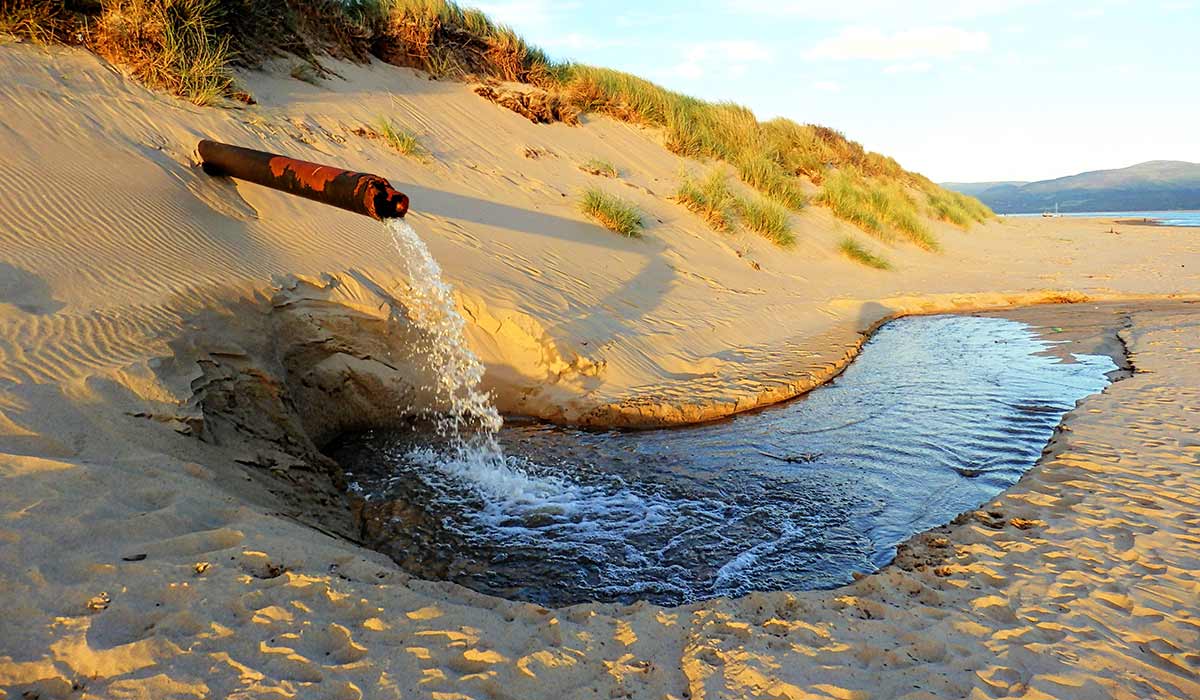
x=1164, y=218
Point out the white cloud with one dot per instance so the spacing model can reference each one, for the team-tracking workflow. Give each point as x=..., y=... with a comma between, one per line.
x=726, y=59
x=827, y=86
x=914, y=67
x=871, y=44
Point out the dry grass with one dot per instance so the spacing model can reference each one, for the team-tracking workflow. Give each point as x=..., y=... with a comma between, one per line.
x=168, y=44
x=596, y=166
x=37, y=20
x=400, y=139
x=856, y=252
x=452, y=42
x=612, y=212
x=710, y=199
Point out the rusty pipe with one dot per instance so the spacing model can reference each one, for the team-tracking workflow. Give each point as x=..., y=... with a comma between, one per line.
x=362, y=193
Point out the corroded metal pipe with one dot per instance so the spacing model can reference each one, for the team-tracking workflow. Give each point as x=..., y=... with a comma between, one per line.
x=361, y=193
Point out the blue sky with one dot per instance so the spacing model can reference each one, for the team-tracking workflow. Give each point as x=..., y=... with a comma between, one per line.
x=968, y=90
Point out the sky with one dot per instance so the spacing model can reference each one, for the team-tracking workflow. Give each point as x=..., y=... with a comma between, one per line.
x=960, y=91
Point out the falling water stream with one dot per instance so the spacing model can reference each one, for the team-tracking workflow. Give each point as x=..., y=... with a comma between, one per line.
x=936, y=416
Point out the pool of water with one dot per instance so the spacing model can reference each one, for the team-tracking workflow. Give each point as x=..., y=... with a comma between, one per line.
x=937, y=415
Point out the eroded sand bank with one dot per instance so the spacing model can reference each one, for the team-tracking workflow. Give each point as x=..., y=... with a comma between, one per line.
x=144, y=305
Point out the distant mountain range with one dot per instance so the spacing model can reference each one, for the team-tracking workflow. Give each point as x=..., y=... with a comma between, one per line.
x=1153, y=185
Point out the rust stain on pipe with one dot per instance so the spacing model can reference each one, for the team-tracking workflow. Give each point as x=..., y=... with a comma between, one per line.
x=362, y=193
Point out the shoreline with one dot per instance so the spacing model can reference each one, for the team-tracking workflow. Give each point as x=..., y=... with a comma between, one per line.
x=645, y=413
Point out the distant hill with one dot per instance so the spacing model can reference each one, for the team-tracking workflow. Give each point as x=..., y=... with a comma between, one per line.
x=974, y=189
x=1153, y=185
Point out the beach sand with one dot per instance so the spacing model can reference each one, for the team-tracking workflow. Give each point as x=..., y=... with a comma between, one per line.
x=175, y=350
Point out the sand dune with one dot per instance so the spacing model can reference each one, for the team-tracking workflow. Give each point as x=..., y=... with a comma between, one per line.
x=138, y=296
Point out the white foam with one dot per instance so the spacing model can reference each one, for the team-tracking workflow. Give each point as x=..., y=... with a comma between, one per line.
x=472, y=455
x=459, y=373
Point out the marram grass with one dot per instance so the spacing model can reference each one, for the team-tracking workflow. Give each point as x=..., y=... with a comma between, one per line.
x=710, y=199
x=880, y=207
x=598, y=166
x=767, y=219
x=612, y=212
x=858, y=253
x=400, y=139
x=957, y=208
x=190, y=46
x=169, y=44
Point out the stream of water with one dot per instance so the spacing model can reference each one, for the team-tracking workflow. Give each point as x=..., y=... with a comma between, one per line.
x=936, y=416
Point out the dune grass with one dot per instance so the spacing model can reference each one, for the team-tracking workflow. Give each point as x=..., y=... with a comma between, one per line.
x=400, y=139
x=612, y=212
x=305, y=73
x=37, y=20
x=710, y=199
x=597, y=166
x=169, y=44
x=858, y=253
x=767, y=176
x=957, y=208
x=189, y=46
x=882, y=208
x=767, y=219
x=851, y=202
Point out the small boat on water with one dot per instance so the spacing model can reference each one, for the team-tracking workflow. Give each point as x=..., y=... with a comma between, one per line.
x=1048, y=215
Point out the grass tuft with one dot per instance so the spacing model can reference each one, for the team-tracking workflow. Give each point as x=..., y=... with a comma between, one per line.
x=957, y=208
x=596, y=166
x=880, y=207
x=401, y=140
x=767, y=176
x=169, y=44
x=37, y=20
x=768, y=219
x=710, y=199
x=612, y=212
x=856, y=252
x=849, y=201
x=306, y=73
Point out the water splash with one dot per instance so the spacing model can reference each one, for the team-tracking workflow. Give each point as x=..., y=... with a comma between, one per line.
x=468, y=450
x=472, y=420
x=506, y=501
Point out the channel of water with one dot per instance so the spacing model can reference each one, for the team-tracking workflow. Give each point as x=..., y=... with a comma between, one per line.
x=937, y=415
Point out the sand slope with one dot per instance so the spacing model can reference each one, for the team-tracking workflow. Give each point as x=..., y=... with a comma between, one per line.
x=137, y=293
